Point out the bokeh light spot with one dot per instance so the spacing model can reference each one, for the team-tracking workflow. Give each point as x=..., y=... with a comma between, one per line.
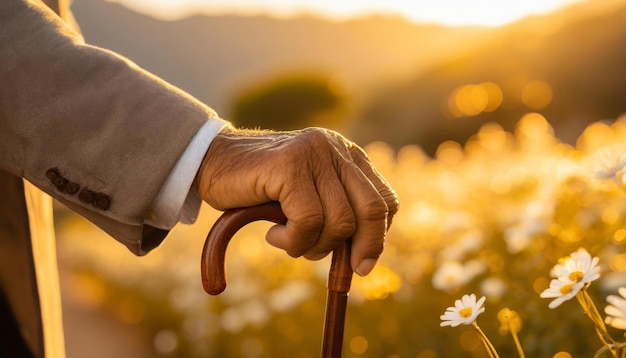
x=610, y=216
x=252, y=251
x=380, y=283
x=86, y=290
x=492, y=136
x=618, y=262
x=537, y=95
x=469, y=340
x=450, y=152
x=472, y=99
x=131, y=311
x=594, y=137
x=619, y=235
x=165, y=342
x=562, y=355
x=494, y=96
x=422, y=213
x=534, y=125
x=358, y=345
x=509, y=321
x=540, y=284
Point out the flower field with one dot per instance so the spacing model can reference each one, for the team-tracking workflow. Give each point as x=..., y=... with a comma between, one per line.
x=489, y=217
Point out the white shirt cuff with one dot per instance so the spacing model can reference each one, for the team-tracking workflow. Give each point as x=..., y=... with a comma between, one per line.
x=177, y=200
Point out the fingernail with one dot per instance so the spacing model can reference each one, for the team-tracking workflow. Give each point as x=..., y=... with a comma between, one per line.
x=365, y=267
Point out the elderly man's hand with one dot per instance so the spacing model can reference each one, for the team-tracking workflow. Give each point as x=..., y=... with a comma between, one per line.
x=326, y=186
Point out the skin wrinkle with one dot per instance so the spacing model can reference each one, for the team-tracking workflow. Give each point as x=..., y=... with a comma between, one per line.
x=375, y=203
x=311, y=223
x=381, y=184
x=337, y=226
x=364, y=229
x=321, y=179
x=338, y=229
x=347, y=227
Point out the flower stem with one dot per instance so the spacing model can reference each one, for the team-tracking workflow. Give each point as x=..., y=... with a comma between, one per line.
x=518, y=345
x=590, y=309
x=490, y=348
x=614, y=349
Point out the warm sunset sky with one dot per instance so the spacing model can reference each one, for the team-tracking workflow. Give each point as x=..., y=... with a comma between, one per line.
x=449, y=12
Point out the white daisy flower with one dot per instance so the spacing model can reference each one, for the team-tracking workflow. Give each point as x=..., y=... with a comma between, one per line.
x=572, y=273
x=464, y=311
x=449, y=275
x=577, y=267
x=561, y=291
x=493, y=287
x=609, y=161
x=616, y=310
x=452, y=274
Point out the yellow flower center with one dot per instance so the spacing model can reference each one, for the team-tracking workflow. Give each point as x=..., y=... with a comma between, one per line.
x=576, y=276
x=465, y=312
x=565, y=289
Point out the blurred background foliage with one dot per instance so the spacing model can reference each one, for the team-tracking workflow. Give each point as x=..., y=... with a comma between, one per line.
x=290, y=102
x=493, y=138
x=490, y=217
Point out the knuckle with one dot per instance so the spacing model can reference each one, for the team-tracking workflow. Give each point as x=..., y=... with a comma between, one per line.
x=341, y=228
x=310, y=146
x=315, y=132
x=375, y=210
x=316, y=138
x=393, y=202
x=310, y=223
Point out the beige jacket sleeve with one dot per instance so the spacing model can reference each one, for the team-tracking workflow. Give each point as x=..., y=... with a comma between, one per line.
x=86, y=125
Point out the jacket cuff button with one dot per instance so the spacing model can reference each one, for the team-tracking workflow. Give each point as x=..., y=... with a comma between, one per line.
x=86, y=196
x=101, y=201
x=60, y=183
x=52, y=173
x=72, y=188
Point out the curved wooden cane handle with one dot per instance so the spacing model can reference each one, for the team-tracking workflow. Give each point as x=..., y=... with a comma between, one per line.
x=339, y=275
x=214, y=252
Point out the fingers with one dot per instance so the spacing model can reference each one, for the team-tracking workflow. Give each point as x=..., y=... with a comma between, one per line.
x=341, y=196
x=305, y=218
x=320, y=216
x=327, y=187
x=339, y=219
x=370, y=212
x=384, y=189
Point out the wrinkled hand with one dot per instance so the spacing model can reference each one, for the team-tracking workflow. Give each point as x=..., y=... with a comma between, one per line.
x=326, y=186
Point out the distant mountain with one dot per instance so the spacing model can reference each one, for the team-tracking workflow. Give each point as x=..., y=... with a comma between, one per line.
x=580, y=52
x=212, y=57
x=399, y=74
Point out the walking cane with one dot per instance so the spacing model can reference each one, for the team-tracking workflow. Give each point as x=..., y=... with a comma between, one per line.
x=339, y=275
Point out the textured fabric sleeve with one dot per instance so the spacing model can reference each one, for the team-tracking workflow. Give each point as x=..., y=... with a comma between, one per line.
x=88, y=126
x=178, y=200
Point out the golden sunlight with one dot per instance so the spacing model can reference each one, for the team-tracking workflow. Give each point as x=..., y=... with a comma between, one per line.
x=472, y=99
x=447, y=12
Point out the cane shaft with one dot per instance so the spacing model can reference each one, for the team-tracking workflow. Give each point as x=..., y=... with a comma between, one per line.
x=339, y=275
x=339, y=281
x=334, y=322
